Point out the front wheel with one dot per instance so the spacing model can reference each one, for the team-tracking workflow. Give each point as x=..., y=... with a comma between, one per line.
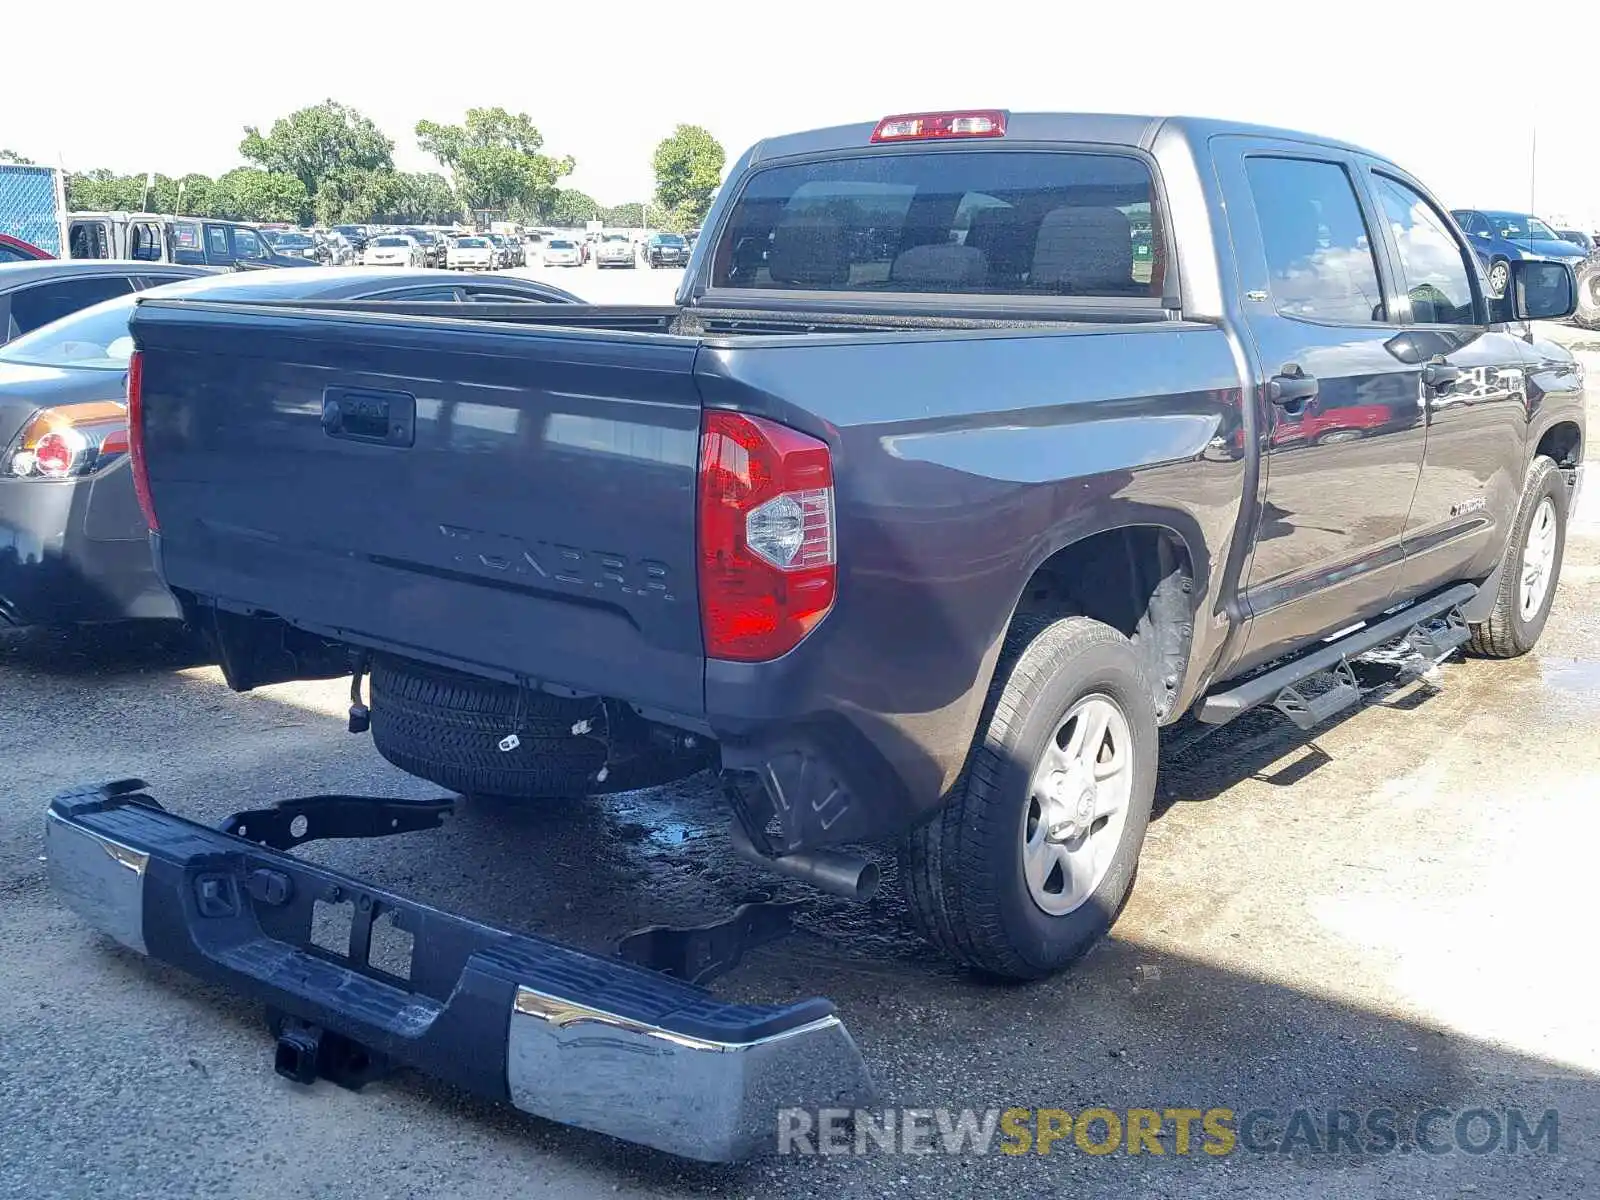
x=1034, y=854
x=1499, y=277
x=1529, y=568
x=1588, y=310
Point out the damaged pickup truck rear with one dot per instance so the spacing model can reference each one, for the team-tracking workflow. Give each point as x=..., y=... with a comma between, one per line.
x=977, y=447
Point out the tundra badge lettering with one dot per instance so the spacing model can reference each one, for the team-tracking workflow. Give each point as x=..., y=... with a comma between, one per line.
x=485, y=552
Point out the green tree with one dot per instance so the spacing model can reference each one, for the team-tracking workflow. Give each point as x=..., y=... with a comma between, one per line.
x=495, y=159
x=312, y=143
x=688, y=167
x=426, y=199
x=12, y=156
x=625, y=216
x=192, y=194
x=251, y=194
x=101, y=191
x=355, y=196
x=571, y=208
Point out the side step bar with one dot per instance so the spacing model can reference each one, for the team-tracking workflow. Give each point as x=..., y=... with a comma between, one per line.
x=557, y=1032
x=1277, y=686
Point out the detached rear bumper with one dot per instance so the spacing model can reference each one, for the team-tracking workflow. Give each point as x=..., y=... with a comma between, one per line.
x=557, y=1032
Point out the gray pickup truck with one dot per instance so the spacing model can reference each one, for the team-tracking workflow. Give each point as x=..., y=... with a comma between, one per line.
x=977, y=447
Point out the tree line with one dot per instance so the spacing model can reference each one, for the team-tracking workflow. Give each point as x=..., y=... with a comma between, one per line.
x=329, y=164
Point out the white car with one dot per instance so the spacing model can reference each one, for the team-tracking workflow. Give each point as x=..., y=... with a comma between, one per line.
x=471, y=254
x=394, y=250
x=562, y=252
x=614, y=250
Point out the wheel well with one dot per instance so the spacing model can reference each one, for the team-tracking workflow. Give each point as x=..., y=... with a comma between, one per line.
x=1562, y=442
x=1139, y=581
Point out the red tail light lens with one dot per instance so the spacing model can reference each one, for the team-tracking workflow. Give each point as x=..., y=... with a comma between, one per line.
x=67, y=442
x=768, y=550
x=141, y=471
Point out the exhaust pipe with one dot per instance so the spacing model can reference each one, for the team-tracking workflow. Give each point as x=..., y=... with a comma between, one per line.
x=837, y=874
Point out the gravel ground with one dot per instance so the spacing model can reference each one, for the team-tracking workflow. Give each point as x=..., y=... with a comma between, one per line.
x=1392, y=914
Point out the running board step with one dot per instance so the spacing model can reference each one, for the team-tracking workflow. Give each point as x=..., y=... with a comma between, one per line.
x=1434, y=641
x=1317, y=697
x=1417, y=621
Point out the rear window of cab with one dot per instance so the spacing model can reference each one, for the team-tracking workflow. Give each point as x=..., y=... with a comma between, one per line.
x=970, y=222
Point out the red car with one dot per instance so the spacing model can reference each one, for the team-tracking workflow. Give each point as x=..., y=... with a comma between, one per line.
x=16, y=250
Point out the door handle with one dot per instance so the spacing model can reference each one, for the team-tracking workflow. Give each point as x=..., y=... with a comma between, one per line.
x=1439, y=374
x=1291, y=389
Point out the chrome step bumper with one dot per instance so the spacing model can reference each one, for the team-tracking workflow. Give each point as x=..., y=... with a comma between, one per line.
x=557, y=1032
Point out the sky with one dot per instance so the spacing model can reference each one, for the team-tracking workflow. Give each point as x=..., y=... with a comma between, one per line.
x=1458, y=94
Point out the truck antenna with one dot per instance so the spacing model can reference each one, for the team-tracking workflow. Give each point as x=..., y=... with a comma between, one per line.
x=1533, y=172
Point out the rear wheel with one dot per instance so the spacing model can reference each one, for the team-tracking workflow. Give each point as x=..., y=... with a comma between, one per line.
x=1529, y=569
x=448, y=728
x=1034, y=856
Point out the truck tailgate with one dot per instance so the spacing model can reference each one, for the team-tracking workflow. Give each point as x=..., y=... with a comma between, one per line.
x=517, y=499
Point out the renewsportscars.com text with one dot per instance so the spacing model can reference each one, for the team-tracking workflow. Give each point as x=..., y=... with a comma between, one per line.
x=1209, y=1132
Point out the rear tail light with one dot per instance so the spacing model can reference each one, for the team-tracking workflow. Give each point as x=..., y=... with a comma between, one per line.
x=141, y=469
x=768, y=550
x=67, y=442
x=918, y=127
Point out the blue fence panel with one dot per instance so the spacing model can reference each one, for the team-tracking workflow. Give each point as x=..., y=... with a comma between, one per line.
x=28, y=207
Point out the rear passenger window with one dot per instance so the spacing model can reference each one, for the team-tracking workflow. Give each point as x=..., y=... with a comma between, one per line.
x=1319, y=253
x=971, y=222
x=217, y=243
x=1435, y=269
x=34, y=307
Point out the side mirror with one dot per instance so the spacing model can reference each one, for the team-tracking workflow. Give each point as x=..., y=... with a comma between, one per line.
x=1542, y=291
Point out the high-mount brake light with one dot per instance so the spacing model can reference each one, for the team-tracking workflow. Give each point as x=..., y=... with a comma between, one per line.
x=919, y=127
x=768, y=547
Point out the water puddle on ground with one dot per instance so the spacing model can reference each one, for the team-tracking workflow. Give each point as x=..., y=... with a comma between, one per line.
x=1572, y=675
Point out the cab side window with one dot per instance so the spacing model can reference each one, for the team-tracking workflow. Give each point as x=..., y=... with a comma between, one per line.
x=1319, y=253
x=1437, y=278
x=144, y=241
x=217, y=244
x=246, y=244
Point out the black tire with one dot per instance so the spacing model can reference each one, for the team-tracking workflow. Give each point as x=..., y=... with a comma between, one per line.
x=1506, y=633
x=962, y=872
x=1503, y=267
x=1588, y=312
x=446, y=728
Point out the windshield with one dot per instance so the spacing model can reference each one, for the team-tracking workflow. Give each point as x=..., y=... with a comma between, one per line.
x=96, y=338
x=296, y=241
x=974, y=222
x=558, y=244
x=473, y=243
x=392, y=241
x=1521, y=226
x=616, y=237
x=668, y=239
